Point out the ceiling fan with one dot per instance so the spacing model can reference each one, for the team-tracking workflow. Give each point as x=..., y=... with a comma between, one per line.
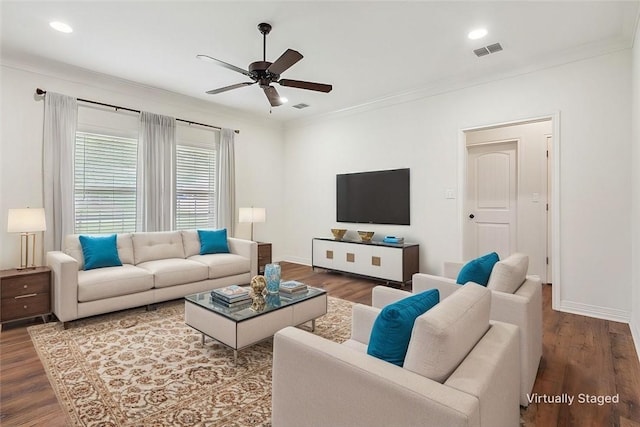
x=264, y=72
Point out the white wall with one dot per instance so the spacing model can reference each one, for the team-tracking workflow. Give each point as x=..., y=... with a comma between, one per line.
x=635, y=160
x=593, y=100
x=259, y=146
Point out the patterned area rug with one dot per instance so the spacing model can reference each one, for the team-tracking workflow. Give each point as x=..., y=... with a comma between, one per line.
x=138, y=367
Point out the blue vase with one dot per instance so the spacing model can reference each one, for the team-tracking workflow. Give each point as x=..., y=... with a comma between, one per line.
x=272, y=275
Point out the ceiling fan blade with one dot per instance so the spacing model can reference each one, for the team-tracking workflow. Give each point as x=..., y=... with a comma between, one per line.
x=231, y=87
x=286, y=60
x=223, y=64
x=320, y=87
x=272, y=95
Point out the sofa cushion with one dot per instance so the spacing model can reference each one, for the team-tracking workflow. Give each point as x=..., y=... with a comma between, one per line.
x=392, y=328
x=223, y=265
x=213, y=241
x=112, y=282
x=73, y=248
x=191, y=242
x=443, y=336
x=175, y=271
x=153, y=246
x=99, y=251
x=477, y=270
x=509, y=274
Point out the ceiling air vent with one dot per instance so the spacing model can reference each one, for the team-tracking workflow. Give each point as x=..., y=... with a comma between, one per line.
x=492, y=48
x=300, y=106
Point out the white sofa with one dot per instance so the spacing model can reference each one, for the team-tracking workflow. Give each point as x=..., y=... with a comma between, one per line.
x=156, y=266
x=516, y=298
x=460, y=370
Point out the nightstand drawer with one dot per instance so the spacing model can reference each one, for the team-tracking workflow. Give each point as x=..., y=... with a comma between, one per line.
x=25, y=306
x=37, y=283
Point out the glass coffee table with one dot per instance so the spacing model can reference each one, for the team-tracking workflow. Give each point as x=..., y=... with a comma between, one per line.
x=238, y=328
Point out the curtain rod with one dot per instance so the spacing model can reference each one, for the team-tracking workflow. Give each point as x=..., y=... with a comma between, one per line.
x=117, y=107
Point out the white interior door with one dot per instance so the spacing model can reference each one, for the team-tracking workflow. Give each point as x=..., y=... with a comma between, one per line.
x=491, y=199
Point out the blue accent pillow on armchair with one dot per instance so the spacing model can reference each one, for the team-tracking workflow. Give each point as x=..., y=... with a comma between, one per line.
x=392, y=328
x=478, y=270
x=213, y=241
x=100, y=251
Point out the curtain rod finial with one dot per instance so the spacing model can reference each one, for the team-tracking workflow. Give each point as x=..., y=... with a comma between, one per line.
x=40, y=91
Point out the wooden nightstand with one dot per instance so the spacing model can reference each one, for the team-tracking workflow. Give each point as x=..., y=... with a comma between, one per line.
x=25, y=293
x=264, y=256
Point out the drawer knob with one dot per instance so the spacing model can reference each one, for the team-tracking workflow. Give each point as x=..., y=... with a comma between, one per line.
x=25, y=307
x=25, y=286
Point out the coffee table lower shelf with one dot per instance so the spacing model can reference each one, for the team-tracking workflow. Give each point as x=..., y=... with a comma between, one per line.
x=243, y=329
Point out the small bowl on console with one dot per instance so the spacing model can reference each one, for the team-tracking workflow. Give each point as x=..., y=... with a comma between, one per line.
x=338, y=233
x=366, y=236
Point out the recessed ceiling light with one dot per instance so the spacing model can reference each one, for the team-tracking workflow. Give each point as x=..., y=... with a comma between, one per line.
x=477, y=33
x=61, y=26
x=283, y=100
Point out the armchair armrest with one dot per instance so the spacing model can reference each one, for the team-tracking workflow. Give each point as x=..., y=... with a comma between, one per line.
x=362, y=319
x=422, y=282
x=64, y=279
x=317, y=382
x=384, y=295
x=247, y=249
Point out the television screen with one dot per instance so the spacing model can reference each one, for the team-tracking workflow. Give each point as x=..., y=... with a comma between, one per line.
x=378, y=197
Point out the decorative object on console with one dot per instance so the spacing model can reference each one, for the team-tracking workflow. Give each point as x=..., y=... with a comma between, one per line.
x=338, y=233
x=258, y=285
x=27, y=222
x=272, y=276
x=393, y=240
x=252, y=215
x=366, y=236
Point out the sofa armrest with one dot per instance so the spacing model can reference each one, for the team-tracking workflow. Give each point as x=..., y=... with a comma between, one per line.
x=384, y=295
x=317, y=382
x=247, y=249
x=362, y=319
x=491, y=372
x=523, y=309
x=451, y=269
x=64, y=279
x=422, y=282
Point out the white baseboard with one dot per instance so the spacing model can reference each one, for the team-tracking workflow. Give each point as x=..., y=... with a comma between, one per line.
x=595, y=311
x=296, y=260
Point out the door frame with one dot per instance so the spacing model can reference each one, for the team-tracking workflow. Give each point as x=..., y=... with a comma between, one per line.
x=554, y=197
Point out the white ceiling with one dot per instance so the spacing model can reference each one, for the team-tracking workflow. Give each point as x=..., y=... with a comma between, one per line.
x=367, y=50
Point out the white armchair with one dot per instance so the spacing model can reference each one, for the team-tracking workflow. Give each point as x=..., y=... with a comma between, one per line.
x=317, y=382
x=518, y=303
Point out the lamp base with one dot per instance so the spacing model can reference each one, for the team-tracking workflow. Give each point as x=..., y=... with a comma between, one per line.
x=25, y=253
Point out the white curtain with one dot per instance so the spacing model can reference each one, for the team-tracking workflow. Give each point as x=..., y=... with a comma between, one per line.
x=156, y=147
x=60, y=123
x=226, y=182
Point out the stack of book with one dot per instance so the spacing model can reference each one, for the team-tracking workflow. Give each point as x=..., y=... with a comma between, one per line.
x=292, y=288
x=231, y=296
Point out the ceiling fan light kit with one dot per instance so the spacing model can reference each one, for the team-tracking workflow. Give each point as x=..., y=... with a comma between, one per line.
x=264, y=73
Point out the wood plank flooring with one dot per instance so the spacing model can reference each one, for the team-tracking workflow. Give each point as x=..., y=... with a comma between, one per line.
x=580, y=355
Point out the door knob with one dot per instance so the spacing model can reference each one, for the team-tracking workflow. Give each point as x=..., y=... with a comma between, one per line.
x=472, y=216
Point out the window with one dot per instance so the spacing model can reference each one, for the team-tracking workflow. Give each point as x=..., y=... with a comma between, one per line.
x=195, y=187
x=105, y=183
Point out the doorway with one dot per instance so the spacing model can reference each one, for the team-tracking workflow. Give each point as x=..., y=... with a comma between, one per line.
x=507, y=193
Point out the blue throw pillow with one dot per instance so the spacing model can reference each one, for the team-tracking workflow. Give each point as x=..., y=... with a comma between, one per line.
x=392, y=328
x=478, y=270
x=213, y=241
x=100, y=251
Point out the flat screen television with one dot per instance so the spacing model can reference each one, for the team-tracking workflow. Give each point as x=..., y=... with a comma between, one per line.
x=377, y=197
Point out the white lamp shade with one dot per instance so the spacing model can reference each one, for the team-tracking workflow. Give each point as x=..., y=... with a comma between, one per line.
x=26, y=220
x=252, y=215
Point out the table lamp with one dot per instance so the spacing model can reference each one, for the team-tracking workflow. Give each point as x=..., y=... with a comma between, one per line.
x=27, y=222
x=252, y=215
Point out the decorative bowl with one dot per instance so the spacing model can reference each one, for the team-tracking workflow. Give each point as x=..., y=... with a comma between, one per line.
x=338, y=233
x=366, y=235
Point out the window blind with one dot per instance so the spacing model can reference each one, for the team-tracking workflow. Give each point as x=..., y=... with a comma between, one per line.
x=195, y=187
x=105, y=183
